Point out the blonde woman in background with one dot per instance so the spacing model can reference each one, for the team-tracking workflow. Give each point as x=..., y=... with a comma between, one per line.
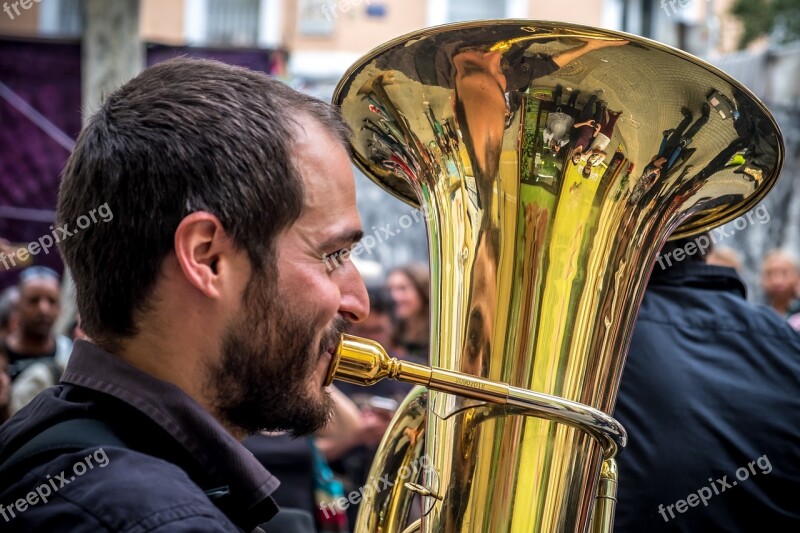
x=409, y=287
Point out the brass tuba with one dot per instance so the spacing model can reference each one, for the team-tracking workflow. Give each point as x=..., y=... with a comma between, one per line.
x=551, y=162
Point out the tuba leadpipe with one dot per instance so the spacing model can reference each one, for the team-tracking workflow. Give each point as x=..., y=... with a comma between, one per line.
x=552, y=161
x=365, y=362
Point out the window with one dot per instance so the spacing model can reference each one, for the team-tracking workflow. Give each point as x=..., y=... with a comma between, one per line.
x=317, y=17
x=232, y=22
x=458, y=10
x=63, y=18
x=443, y=11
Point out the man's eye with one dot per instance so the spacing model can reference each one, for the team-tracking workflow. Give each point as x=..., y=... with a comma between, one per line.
x=342, y=255
x=336, y=259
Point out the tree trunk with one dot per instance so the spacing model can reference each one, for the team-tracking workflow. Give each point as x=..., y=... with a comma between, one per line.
x=111, y=55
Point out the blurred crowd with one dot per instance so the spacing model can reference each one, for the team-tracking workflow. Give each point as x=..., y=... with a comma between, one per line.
x=337, y=460
x=32, y=354
x=780, y=279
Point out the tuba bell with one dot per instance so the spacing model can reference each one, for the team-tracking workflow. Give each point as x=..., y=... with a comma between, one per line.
x=551, y=162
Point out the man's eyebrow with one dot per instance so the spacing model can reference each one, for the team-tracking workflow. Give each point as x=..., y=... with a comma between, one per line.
x=338, y=241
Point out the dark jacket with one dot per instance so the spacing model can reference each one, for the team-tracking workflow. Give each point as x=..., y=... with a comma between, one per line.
x=177, y=460
x=710, y=397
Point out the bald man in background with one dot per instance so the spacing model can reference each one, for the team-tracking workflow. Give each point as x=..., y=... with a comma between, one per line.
x=780, y=280
x=37, y=355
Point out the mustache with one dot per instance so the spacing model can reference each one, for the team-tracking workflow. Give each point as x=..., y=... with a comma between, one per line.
x=334, y=333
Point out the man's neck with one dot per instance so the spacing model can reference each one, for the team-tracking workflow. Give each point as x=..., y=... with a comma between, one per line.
x=172, y=364
x=160, y=359
x=781, y=305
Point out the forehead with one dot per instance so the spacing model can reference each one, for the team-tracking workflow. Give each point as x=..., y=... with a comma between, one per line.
x=38, y=287
x=399, y=278
x=779, y=261
x=329, y=199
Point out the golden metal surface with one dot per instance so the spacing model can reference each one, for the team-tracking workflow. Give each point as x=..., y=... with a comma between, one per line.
x=605, y=503
x=365, y=362
x=539, y=259
x=399, y=453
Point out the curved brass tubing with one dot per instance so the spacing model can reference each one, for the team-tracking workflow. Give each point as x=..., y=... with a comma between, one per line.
x=365, y=362
x=386, y=508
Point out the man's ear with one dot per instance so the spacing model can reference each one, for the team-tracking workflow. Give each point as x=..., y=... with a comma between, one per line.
x=200, y=243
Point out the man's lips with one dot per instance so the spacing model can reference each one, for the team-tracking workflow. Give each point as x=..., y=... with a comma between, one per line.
x=332, y=339
x=330, y=345
x=323, y=366
x=330, y=351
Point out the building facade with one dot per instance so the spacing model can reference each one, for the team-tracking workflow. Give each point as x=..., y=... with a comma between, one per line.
x=324, y=37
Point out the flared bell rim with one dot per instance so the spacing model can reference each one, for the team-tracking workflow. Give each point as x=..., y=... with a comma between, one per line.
x=700, y=222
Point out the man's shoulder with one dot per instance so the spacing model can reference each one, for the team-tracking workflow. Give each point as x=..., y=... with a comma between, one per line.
x=109, y=488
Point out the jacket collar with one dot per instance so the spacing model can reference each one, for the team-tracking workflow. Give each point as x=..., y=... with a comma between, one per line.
x=701, y=275
x=241, y=485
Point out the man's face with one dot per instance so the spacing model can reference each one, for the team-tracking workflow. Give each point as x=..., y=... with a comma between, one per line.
x=780, y=277
x=277, y=351
x=39, y=306
x=480, y=85
x=407, y=302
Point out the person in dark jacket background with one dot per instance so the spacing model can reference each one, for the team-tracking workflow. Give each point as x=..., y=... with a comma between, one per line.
x=210, y=309
x=710, y=397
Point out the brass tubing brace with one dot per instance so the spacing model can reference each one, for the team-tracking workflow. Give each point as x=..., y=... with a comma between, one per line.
x=365, y=362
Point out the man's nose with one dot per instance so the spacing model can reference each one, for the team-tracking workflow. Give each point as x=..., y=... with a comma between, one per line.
x=47, y=307
x=354, y=305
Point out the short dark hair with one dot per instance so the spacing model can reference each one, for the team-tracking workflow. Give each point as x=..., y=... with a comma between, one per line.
x=702, y=251
x=185, y=135
x=380, y=301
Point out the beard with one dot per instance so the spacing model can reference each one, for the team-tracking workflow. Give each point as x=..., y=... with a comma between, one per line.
x=39, y=328
x=263, y=379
